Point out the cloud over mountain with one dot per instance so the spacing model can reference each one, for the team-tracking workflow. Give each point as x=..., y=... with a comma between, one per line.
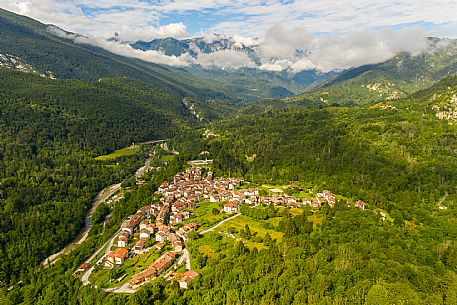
x=293, y=49
x=295, y=35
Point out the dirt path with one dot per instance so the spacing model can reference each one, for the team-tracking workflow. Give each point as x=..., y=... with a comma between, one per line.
x=101, y=197
x=220, y=223
x=440, y=202
x=185, y=257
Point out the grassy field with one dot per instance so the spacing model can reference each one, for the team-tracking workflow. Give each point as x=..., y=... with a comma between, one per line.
x=293, y=211
x=203, y=214
x=127, y=151
x=211, y=245
x=167, y=158
x=261, y=227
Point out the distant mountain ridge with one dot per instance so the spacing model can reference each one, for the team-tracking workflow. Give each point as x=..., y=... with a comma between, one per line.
x=193, y=46
x=287, y=81
x=396, y=78
x=49, y=48
x=38, y=46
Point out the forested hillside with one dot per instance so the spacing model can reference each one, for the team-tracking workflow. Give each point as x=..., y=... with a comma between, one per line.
x=386, y=153
x=34, y=43
x=396, y=78
x=49, y=133
x=398, y=157
x=362, y=136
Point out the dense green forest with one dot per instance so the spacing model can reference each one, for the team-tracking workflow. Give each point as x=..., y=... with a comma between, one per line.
x=49, y=133
x=400, y=159
x=401, y=155
x=353, y=257
x=397, y=156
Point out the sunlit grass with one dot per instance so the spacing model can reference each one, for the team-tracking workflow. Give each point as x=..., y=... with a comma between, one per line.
x=128, y=151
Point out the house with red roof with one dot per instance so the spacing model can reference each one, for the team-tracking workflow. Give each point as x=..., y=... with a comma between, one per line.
x=187, y=278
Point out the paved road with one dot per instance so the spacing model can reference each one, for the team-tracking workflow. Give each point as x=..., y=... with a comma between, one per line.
x=143, y=170
x=153, y=142
x=108, y=244
x=123, y=289
x=101, y=197
x=220, y=223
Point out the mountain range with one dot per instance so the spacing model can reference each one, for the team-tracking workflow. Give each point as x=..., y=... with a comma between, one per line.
x=383, y=133
x=396, y=78
x=37, y=45
x=293, y=81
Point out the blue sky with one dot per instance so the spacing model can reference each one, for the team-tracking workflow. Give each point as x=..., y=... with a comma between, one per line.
x=144, y=18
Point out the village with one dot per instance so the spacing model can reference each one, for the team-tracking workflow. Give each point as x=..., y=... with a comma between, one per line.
x=161, y=223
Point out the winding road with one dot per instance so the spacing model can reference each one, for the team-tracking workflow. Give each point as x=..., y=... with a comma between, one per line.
x=101, y=197
x=107, y=245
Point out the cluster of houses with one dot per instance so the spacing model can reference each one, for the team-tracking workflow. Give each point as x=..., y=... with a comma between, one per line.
x=179, y=197
x=116, y=258
x=322, y=199
x=190, y=187
x=156, y=269
x=141, y=226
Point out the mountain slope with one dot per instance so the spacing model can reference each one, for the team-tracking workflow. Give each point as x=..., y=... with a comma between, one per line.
x=50, y=130
x=399, y=157
x=193, y=46
x=38, y=46
x=395, y=78
x=33, y=42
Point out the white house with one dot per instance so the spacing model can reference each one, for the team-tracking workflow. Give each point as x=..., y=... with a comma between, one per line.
x=161, y=236
x=122, y=242
x=144, y=234
x=230, y=208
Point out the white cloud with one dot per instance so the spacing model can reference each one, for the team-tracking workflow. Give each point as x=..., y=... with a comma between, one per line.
x=125, y=49
x=224, y=59
x=303, y=65
x=245, y=41
x=337, y=51
x=177, y=30
x=281, y=49
x=241, y=17
x=365, y=47
x=271, y=67
x=280, y=42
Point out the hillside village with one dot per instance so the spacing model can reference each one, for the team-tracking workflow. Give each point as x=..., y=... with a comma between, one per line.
x=161, y=223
